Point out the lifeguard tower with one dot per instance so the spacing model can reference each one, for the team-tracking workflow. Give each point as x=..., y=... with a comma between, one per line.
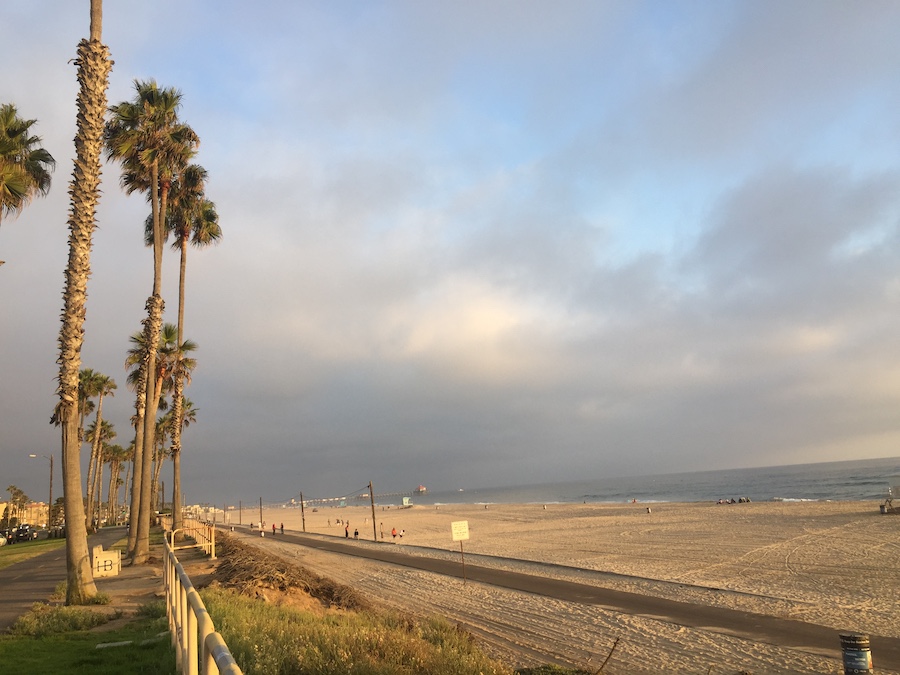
x=893, y=493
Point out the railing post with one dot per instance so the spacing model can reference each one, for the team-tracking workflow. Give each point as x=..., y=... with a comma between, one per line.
x=177, y=627
x=191, y=653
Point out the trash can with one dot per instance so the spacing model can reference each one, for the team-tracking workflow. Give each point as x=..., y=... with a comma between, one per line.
x=856, y=653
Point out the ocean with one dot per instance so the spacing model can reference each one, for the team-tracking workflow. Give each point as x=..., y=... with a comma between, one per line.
x=854, y=480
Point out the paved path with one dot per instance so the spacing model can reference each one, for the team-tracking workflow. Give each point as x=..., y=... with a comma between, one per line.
x=35, y=580
x=746, y=625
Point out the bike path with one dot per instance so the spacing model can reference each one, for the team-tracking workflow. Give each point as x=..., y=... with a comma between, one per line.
x=35, y=580
x=737, y=623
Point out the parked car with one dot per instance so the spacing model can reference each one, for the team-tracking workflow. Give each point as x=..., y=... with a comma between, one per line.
x=25, y=533
x=8, y=536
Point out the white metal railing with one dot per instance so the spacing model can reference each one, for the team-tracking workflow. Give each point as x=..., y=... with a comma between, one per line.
x=203, y=534
x=194, y=637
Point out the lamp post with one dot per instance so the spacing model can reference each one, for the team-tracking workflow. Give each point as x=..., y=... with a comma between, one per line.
x=50, y=498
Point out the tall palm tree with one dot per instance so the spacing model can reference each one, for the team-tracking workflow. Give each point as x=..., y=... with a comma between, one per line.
x=114, y=455
x=24, y=165
x=136, y=381
x=194, y=220
x=94, y=65
x=101, y=436
x=171, y=359
x=153, y=146
x=188, y=416
x=163, y=429
x=87, y=390
x=103, y=385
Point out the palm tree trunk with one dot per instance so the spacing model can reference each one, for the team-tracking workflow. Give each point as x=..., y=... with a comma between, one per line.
x=98, y=493
x=157, y=469
x=95, y=461
x=178, y=397
x=152, y=328
x=137, y=460
x=128, y=477
x=93, y=73
x=112, y=498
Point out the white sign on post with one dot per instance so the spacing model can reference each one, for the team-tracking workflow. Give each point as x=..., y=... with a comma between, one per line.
x=460, y=530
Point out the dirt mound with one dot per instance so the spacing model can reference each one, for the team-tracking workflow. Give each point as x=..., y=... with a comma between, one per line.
x=251, y=571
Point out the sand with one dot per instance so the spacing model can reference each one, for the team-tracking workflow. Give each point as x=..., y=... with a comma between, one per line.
x=836, y=564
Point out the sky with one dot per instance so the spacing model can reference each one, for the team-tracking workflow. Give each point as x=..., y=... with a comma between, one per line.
x=479, y=244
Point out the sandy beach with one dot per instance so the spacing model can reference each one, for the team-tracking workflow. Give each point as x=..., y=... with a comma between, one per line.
x=836, y=564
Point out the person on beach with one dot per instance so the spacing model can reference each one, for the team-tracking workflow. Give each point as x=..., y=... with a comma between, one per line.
x=273, y=529
x=402, y=532
x=394, y=532
x=282, y=528
x=356, y=533
x=347, y=530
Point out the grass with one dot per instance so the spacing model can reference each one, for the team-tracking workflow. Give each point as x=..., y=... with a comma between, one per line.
x=56, y=640
x=44, y=620
x=264, y=638
x=283, y=641
x=15, y=553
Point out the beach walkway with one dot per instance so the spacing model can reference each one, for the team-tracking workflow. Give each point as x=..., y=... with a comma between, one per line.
x=760, y=628
x=35, y=580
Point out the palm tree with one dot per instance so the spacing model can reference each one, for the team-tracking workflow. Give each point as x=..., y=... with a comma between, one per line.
x=153, y=147
x=87, y=390
x=94, y=65
x=103, y=385
x=188, y=417
x=101, y=433
x=136, y=381
x=129, y=470
x=115, y=455
x=17, y=502
x=163, y=428
x=24, y=165
x=193, y=219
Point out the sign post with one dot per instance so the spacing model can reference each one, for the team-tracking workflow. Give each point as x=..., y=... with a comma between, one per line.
x=460, y=531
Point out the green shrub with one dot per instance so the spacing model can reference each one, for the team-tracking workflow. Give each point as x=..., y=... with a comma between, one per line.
x=46, y=619
x=152, y=610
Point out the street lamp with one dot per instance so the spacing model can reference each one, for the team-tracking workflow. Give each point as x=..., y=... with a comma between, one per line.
x=50, y=499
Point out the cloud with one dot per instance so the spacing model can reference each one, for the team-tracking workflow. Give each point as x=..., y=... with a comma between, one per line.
x=480, y=244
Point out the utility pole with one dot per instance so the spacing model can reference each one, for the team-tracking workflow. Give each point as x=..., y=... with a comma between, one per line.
x=302, y=512
x=372, y=499
x=50, y=503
